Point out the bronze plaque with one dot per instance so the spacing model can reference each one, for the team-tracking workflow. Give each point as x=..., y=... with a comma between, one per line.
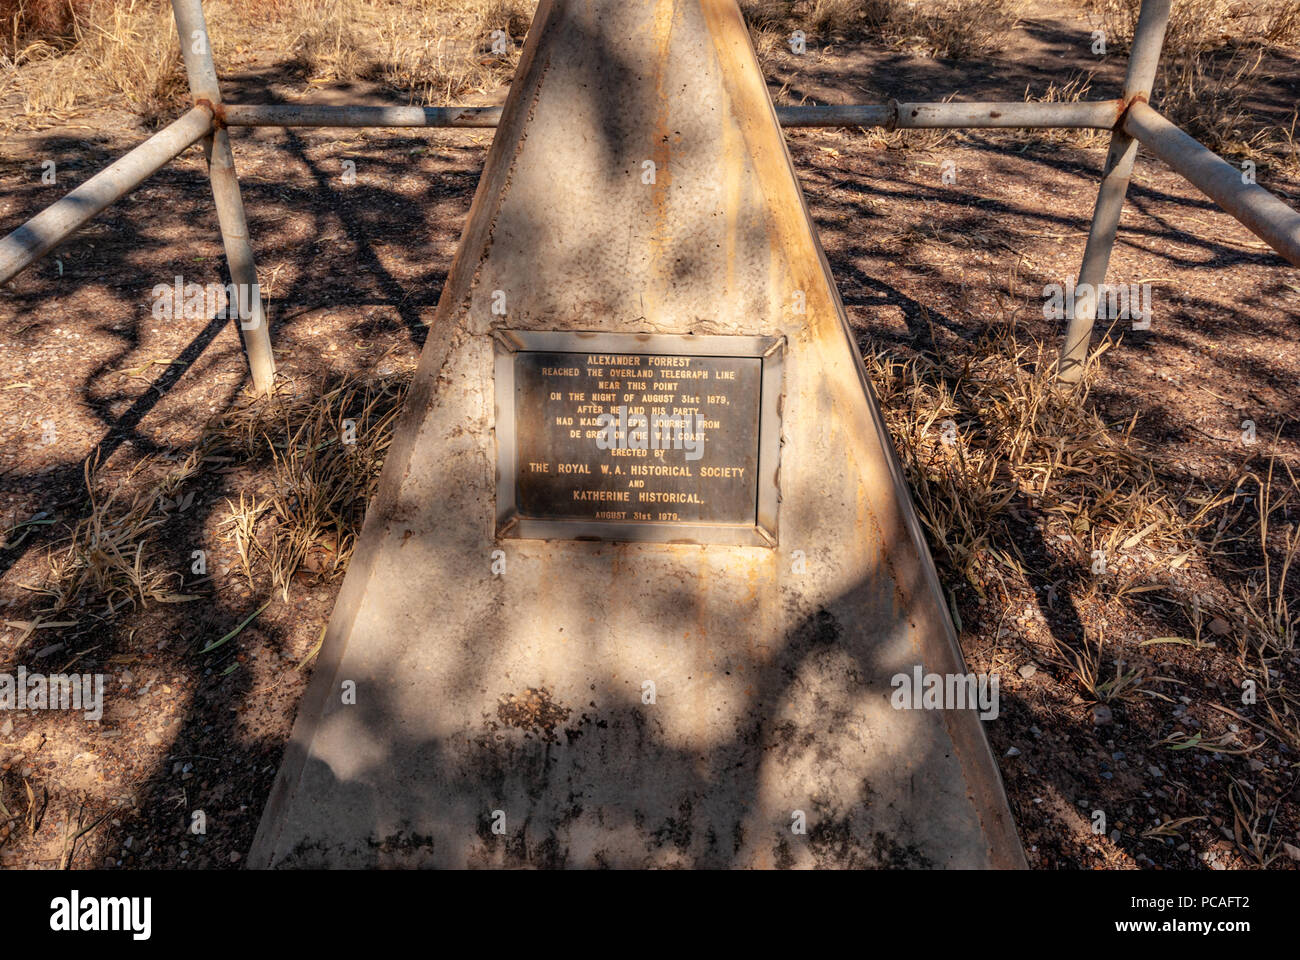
x=637, y=437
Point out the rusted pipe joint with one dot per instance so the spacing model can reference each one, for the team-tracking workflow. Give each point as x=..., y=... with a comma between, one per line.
x=1124, y=104
x=217, y=110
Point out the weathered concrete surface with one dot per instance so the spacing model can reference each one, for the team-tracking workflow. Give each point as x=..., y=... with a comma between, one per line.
x=772, y=686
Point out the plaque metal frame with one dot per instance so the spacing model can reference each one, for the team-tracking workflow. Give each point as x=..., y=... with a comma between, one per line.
x=510, y=524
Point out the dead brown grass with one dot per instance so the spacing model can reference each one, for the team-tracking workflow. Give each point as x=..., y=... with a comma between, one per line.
x=948, y=29
x=821, y=20
x=951, y=29
x=126, y=51
x=322, y=446
x=1211, y=66
x=994, y=449
x=1073, y=90
x=325, y=446
x=433, y=65
x=25, y=21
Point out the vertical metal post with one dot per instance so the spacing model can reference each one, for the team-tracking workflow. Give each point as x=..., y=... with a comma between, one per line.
x=1148, y=38
x=196, y=48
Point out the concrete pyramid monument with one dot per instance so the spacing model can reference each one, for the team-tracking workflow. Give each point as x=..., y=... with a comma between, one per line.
x=642, y=573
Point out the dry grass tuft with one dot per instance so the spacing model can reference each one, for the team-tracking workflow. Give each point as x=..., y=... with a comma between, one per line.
x=1198, y=26
x=26, y=21
x=1019, y=481
x=1269, y=606
x=1088, y=665
x=112, y=552
x=126, y=51
x=434, y=64
x=329, y=44
x=1252, y=825
x=950, y=29
x=1211, y=67
x=990, y=441
x=821, y=20
x=325, y=449
x=947, y=29
x=1074, y=90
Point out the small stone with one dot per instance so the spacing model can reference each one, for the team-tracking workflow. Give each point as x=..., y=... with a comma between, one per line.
x=1291, y=850
x=1028, y=670
x=7, y=728
x=1102, y=715
x=1219, y=627
x=1114, y=836
x=234, y=856
x=1155, y=771
x=1012, y=752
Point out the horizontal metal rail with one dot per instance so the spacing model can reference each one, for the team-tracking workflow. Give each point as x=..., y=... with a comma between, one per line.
x=1264, y=214
x=45, y=231
x=1095, y=114
x=318, y=115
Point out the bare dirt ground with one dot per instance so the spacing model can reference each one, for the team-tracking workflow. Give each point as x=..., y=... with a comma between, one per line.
x=353, y=272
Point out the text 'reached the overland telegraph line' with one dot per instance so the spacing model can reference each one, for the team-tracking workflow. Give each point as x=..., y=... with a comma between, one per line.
x=638, y=437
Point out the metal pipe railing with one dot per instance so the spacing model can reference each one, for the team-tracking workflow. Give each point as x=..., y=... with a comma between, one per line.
x=196, y=49
x=51, y=227
x=1130, y=119
x=1262, y=213
x=1148, y=39
x=1096, y=114
x=45, y=231
x=319, y=115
